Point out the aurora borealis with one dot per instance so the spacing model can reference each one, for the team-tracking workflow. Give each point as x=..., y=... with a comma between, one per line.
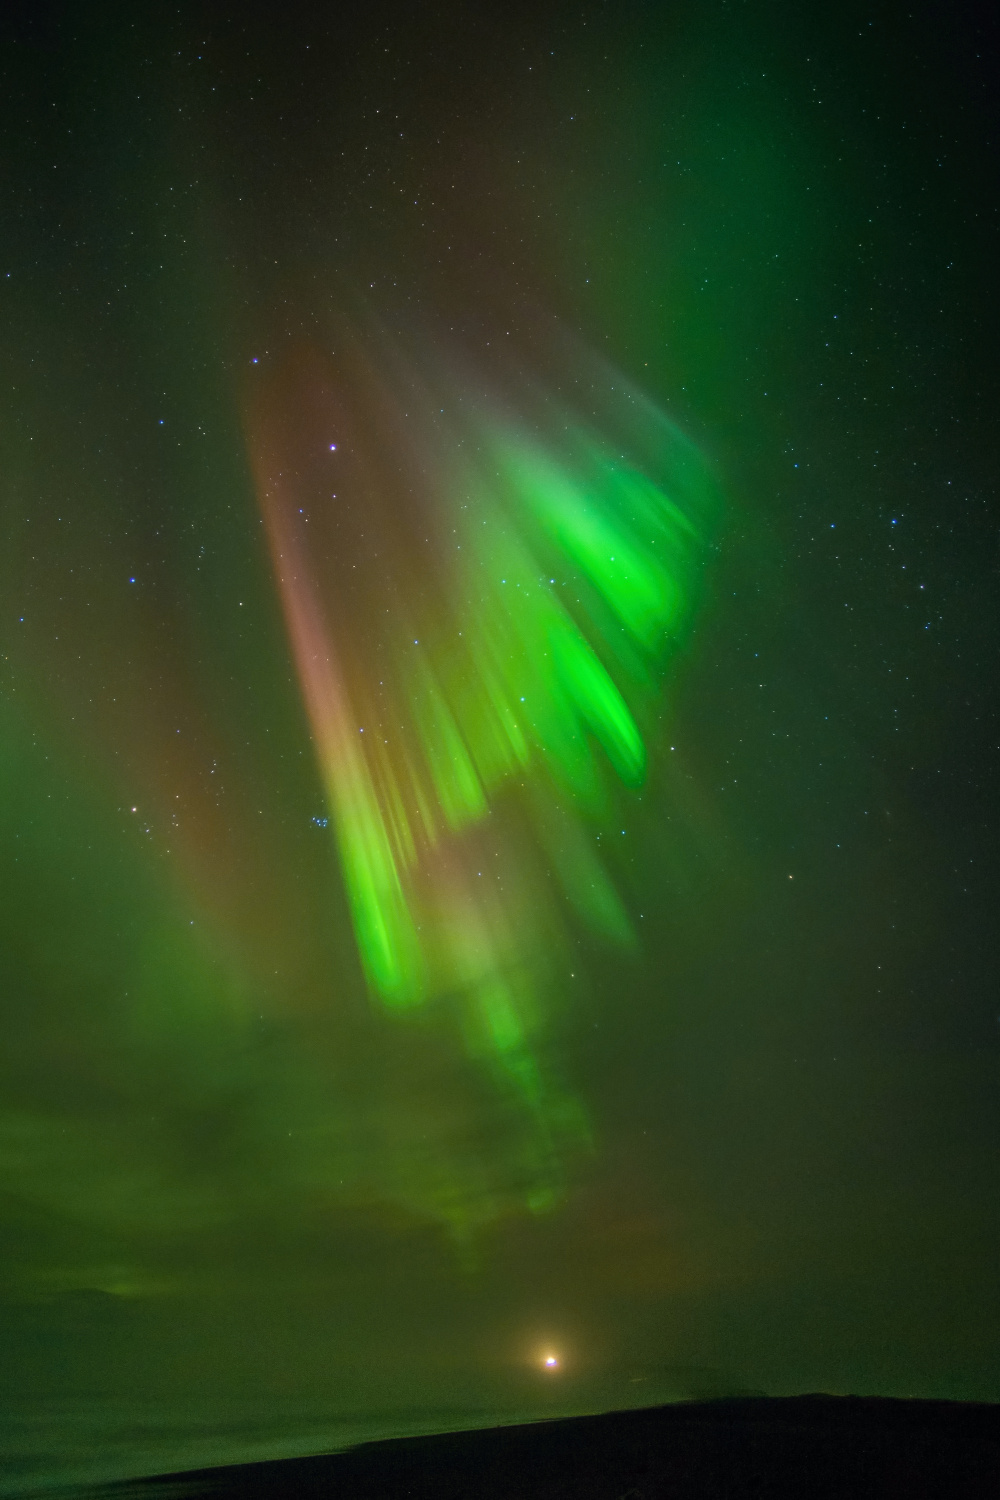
x=457, y=705
x=497, y=719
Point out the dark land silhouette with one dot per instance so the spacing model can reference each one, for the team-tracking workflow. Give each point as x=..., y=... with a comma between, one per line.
x=802, y=1446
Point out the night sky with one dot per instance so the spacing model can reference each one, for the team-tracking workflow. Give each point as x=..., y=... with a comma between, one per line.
x=498, y=659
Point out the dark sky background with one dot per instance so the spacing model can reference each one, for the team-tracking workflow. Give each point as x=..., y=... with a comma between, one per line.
x=247, y=1209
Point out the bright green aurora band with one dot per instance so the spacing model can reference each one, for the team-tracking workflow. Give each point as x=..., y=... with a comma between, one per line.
x=474, y=716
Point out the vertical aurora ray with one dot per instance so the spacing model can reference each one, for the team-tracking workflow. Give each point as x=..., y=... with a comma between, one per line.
x=374, y=844
x=479, y=619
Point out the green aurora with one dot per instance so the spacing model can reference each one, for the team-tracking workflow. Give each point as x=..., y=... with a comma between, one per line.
x=497, y=720
x=471, y=723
